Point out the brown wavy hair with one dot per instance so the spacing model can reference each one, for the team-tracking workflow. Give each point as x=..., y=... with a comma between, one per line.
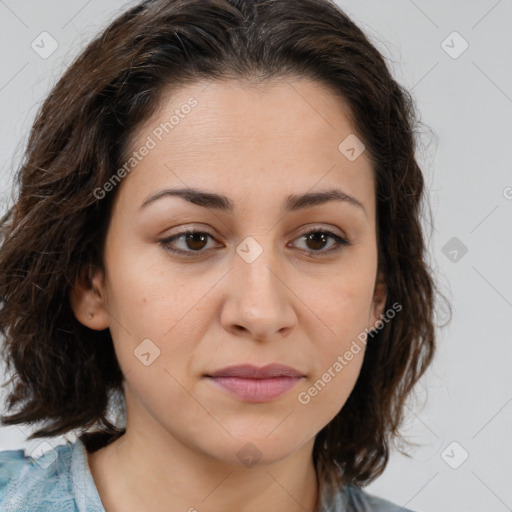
x=64, y=373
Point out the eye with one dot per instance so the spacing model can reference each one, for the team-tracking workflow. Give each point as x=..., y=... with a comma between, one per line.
x=196, y=241
x=317, y=239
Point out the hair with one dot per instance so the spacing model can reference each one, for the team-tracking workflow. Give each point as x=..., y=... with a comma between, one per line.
x=64, y=373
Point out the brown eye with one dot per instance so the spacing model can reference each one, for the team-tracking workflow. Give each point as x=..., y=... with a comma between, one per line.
x=192, y=242
x=316, y=241
x=195, y=241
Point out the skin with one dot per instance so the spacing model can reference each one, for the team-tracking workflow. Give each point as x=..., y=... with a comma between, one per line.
x=256, y=145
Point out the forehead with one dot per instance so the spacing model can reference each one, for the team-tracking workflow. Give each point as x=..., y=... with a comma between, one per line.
x=258, y=111
x=280, y=135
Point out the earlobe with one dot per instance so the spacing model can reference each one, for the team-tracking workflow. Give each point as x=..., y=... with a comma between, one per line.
x=379, y=300
x=87, y=299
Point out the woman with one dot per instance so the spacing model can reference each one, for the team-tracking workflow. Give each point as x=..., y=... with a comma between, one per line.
x=218, y=235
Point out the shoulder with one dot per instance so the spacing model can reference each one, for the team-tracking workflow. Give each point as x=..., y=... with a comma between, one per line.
x=358, y=500
x=40, y=483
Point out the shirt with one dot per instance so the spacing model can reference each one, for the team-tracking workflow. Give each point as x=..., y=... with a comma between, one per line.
x=60, y=481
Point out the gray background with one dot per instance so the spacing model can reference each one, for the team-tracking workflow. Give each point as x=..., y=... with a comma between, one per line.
x=466, y=99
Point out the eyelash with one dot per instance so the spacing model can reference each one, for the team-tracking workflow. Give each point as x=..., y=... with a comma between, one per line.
x=340, y=242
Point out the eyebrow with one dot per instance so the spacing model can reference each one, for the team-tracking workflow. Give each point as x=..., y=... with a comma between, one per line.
x=222, y=203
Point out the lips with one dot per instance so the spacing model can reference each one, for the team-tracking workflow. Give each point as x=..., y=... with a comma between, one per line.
x=253, y=384
x=248, y=371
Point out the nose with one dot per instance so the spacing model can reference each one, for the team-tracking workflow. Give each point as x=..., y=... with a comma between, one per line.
x=259, y=303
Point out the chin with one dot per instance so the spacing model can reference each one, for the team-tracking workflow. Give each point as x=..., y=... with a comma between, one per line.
x=251, y=449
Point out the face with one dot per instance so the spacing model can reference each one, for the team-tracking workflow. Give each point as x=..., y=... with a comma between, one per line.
x=266, y=278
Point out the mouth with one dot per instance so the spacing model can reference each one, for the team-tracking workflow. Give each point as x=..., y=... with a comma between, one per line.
x=256, y=385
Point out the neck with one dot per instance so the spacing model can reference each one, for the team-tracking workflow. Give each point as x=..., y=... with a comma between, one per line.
x=168, y=476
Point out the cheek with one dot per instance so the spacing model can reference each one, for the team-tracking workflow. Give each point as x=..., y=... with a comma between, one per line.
x=337, y=305
x=337, y=332
x=157, y=393
x=145, y=310
x=146, y=296
x=329, y=387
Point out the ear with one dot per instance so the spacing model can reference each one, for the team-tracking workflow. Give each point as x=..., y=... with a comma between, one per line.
x=378, y=301
x=87, y=299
